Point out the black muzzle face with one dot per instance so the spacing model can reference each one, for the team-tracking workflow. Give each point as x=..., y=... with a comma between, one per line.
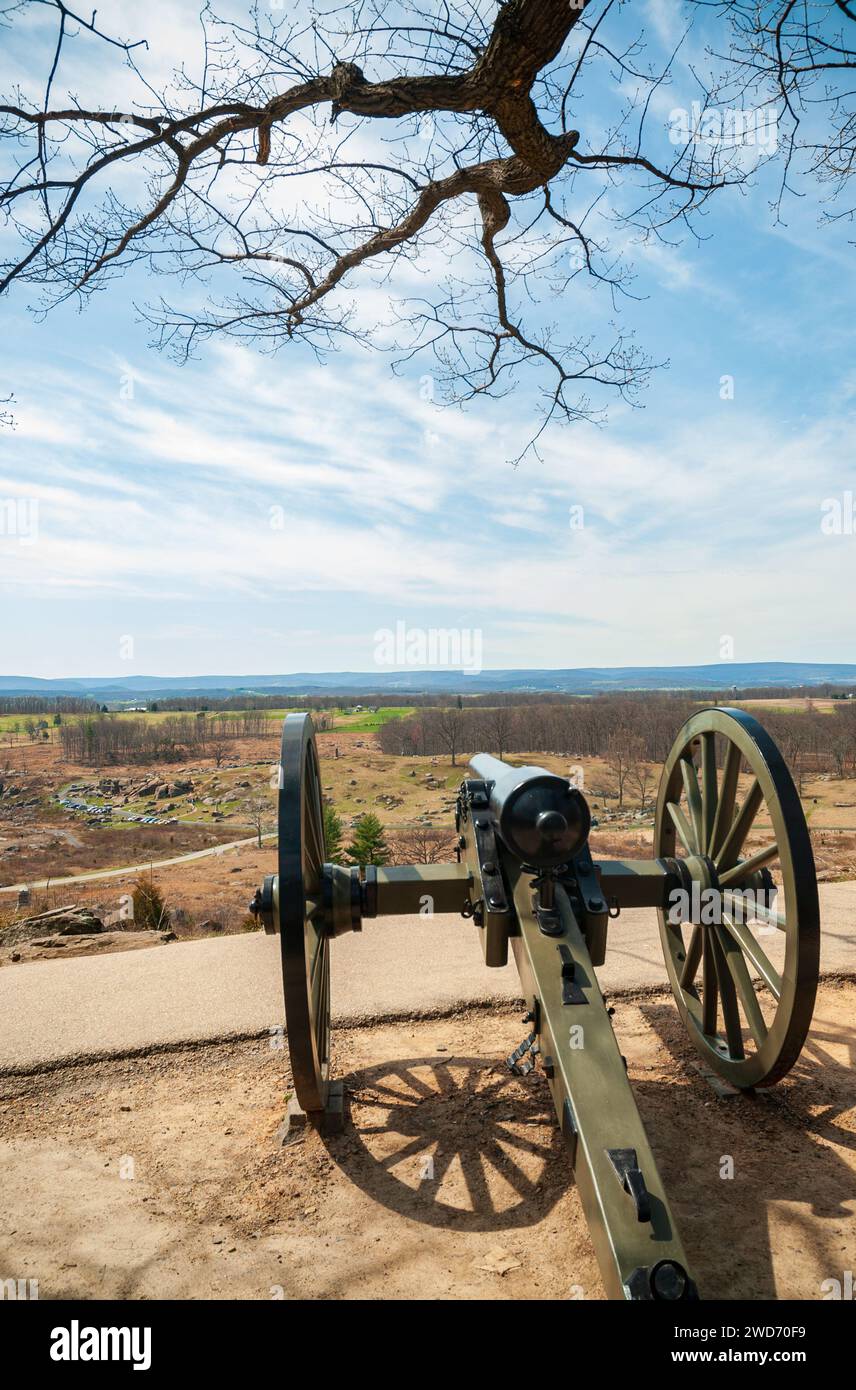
x=544, y=821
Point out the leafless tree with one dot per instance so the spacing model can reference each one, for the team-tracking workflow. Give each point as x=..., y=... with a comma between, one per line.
x=498, y=724
x=840, y=749
x=844, y=732
x=220, y=750
x=798, y=57
x=449, y=725
x=623, y=753
x=259, y=810
x=309, y=151
x=794, y=738
x=109, y=740
x=421, y=844
x=642, y=778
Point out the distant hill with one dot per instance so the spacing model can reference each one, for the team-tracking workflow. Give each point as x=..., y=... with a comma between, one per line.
x=584, y=680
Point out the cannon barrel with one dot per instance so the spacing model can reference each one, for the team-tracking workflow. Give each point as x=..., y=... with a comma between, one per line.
x=540, y=817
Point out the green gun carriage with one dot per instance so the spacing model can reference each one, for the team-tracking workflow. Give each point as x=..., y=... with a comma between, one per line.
x=524, y=874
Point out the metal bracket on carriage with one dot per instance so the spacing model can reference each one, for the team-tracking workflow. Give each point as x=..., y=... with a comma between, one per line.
x=630, y=1175
x=589, y=902
x=571, y=992
x=493, y=888
x=520, y=1060
x=544, y=901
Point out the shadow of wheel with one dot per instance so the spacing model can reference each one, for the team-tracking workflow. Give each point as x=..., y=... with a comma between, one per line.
x=453, y=1142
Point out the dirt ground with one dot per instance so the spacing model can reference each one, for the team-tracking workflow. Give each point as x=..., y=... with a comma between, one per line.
x=205, y=897
x=163, y=1177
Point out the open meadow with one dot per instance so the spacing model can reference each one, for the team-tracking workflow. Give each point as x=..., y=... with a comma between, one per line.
x=215, y=814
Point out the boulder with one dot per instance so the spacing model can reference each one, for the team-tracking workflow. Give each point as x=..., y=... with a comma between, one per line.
x=62, y=921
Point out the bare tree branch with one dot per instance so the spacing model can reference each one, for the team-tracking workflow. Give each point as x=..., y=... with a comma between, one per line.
x=796, y=56
x=309, y=155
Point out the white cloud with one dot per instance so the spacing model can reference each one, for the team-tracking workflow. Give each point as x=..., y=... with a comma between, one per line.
x=686, y=537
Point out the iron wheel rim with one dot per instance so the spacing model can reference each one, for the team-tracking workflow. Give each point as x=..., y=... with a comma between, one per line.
x=721, y=951
x=304, y=943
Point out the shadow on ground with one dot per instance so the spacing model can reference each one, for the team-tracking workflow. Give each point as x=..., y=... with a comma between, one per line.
x=763, y=1173
x=457, y=1142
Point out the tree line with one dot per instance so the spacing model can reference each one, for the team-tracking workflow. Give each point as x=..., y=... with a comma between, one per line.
x=45, y=704
x=102, y=740
x=284, y=699
x=572, y=727
x=627, y=731
x=486, y=700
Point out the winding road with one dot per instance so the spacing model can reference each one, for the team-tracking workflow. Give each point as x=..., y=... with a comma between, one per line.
x=135, y=868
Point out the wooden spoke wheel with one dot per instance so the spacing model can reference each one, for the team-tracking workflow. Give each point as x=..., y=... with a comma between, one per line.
x=304, y=942
x=737, y=835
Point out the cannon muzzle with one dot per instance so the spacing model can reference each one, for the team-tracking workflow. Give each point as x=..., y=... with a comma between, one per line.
x=540, y=817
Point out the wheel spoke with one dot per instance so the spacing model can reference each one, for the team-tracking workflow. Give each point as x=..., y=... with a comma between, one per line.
x=728, y=995
x=736, y=901
x=768, y=972
x=316, y=958
x=691, y=963
x=317, y=975
x=748, y=866
x=727, y=797
x=682, y=826
x=693, y=796
x=315, y=835
x=709, y=795
x=709, y=987
x=743, y=982
x=733, y=842
x=322, y=1013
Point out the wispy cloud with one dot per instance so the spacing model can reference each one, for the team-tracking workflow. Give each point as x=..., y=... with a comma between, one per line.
x=270, y=512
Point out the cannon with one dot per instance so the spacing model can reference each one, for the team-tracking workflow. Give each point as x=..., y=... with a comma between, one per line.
x=525, y=876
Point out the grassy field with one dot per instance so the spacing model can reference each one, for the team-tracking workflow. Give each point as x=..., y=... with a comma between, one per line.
x=789, y=704
x=12, y=726
x=365, y=721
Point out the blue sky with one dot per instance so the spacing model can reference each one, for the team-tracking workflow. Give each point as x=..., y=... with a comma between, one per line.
x=270, y=513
